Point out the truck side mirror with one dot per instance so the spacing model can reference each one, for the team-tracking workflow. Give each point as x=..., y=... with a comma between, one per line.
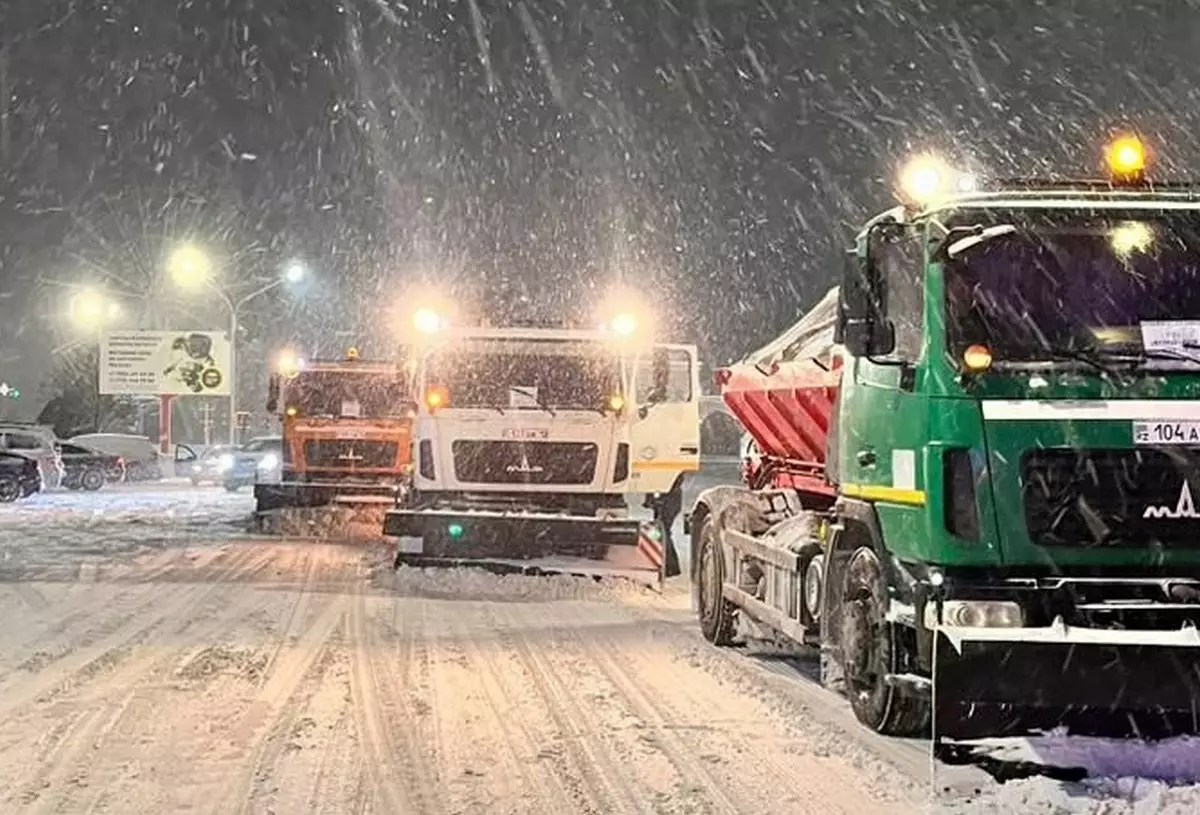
x=862, y=325
x=273, y=393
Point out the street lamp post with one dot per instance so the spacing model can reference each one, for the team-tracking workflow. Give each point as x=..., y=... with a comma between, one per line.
x=191, y=267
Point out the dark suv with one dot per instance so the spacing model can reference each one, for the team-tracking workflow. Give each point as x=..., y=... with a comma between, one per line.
x=19, y=477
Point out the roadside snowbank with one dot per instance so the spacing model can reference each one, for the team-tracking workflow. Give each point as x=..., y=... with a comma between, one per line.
x=1108, y=796
x=50, y=525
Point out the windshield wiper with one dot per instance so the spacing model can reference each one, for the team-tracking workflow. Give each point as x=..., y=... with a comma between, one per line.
x=1175, y=353
x=535, y=397
x=1100, y=359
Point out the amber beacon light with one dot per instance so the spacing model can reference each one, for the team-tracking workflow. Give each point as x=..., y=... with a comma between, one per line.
x=1126, y=160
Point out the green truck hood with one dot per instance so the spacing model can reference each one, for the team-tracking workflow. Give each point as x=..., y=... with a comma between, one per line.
x=1085, y=470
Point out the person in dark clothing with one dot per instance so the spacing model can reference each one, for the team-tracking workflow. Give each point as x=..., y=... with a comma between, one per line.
x=667, y=506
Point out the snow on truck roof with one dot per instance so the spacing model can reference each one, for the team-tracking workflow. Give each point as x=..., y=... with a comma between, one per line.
x=815, y=327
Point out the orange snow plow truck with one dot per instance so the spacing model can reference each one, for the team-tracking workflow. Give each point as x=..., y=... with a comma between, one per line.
x=347, y=436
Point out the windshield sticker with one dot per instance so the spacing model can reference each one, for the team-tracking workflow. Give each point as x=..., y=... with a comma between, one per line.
x=351, y=408
x=1170, y=334
x=1155, y=433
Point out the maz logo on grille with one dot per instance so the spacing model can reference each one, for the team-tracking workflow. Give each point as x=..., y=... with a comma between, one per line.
x=524, y=466
x=1185, y=508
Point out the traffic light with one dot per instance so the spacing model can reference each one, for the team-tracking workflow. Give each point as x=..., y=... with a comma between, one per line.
x=9, y=392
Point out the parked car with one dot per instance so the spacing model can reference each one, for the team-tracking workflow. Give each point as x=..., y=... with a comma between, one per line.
x=19, y=477
x=242, y=467
x=88, y=469
x=36, y=442
x=207, y=467
x=139, y=454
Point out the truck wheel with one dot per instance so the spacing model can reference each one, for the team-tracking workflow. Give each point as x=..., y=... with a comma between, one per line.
x=812, y=590
x=10, y=490
x=716, y=613
x=870, y=650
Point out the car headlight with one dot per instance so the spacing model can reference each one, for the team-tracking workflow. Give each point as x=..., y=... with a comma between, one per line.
x=225, y=463
x=268, y=462
x=976, y=614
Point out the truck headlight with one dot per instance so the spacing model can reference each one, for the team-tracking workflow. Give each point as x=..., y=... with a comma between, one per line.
x=268, y=462
x=976, y=614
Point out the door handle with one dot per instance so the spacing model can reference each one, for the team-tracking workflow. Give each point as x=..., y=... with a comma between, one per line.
x=689, y=450
x=866, y=458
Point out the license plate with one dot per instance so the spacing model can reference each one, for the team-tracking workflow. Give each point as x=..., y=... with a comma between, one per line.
x=1166, y=433
x=524, y=433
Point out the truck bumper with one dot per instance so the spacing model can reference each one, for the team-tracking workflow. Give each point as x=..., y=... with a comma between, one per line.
x=433, y=536
x=285, y=495
x=1113, y=683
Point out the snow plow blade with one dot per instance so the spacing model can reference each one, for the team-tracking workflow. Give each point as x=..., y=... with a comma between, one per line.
x=340, y=512
x=993, y=683
x=531, y=543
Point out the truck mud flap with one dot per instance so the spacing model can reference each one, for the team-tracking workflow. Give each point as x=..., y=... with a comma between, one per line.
x=531, y=543
x=1038, y=688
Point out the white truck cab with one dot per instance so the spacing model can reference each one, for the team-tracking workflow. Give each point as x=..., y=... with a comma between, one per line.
x=532, y=440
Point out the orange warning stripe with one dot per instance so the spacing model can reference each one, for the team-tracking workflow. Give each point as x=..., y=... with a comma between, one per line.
x=653, y=550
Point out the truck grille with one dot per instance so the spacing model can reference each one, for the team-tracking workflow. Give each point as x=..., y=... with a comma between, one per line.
x=350, y=454
x=1112, y=498
x=514, y=462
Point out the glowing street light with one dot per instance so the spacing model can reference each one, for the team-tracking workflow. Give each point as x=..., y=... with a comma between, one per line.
x=295, y=272
x=190, y=267
x=91, y=309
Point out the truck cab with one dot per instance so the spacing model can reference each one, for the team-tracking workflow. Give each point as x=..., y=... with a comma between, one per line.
x=347, y=432
x=532, y=441
x=983, y=512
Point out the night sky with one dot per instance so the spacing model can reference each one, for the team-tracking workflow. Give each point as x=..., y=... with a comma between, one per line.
x=525, y=155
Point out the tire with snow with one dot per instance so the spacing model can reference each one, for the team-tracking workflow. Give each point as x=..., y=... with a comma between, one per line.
x=812, y=589
x=871, y=650
x=92, y=480
x=717, y=615
x=10, y=490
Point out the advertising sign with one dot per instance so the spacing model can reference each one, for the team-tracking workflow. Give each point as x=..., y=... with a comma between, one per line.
x=178, y=363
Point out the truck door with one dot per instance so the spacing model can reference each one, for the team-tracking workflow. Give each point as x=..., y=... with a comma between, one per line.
x=883, y=431
x=665, y=437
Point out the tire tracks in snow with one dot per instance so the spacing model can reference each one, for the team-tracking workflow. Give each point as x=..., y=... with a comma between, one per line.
x=64, y=770
x=608, y=787
x=68, y=669
x=510, y=717
x=668, y=707
x=293, y=675
x=390, y=749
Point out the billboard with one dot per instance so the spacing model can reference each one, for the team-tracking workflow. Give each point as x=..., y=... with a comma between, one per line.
x=180, y=363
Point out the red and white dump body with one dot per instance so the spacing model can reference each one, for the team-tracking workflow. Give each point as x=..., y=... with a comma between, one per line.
x=783, y=395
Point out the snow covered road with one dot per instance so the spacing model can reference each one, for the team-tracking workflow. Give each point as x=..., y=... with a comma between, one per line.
x=284, y=677
x=153, y=658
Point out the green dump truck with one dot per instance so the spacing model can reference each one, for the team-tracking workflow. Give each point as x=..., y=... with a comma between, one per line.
x=976, y=465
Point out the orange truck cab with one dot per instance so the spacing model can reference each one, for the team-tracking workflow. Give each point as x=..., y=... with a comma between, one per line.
x=347, y=433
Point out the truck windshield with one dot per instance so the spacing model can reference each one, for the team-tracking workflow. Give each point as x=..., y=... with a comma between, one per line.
x=348, y=394
x=530, y=376
x=1064, y=282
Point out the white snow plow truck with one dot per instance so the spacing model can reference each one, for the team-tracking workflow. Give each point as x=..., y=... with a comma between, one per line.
x=533, y=445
